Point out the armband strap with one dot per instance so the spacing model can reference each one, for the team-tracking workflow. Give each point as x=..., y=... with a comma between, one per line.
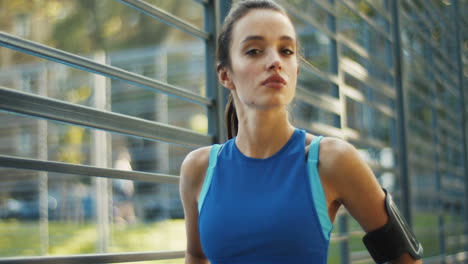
x=394, y=238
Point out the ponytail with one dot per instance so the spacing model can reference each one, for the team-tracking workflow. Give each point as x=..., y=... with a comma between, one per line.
x=230, y=115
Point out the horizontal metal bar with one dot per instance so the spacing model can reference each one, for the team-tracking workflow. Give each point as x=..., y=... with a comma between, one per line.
x=416, y=13
x=457, y=171
x=360, y=256
x=381, y=10
x=346, y=133
x=61, y=167
x=368, y=20
x=344, y=40
x=439, y=78
x=319, y=128
x=361, y=73
x=427, y=15
x=422, y=161
x=353, y=135
x=338, y=237
x=358, y=233
x=323, y=102
x=450, y=142
x=428, y=229
x=450, y=128
x=454, y=258
x=444, y=66
x=439, y=63
x=309, y=67
x=307, y=19
x=327, y=6
x=440, y=16
x=39, y=50
x=96, y=258
x=416, y=29
x=441, y=19
x=356, y=95
x=424, y=141
x=421, y=95
x=203, y=2
x=39, y=106
x=421, y=125
x=447, y=143
x=416, y=161
x=165, y=17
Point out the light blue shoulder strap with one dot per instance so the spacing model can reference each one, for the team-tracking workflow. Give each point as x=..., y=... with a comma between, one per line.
x=209, y=174
x=318, y=195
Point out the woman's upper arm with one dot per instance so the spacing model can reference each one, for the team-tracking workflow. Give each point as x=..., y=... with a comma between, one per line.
x=355, y=186
x=192, y=175
x=353, y=183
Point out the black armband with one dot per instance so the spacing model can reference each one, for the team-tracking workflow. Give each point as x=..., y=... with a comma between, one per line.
x=394, y=238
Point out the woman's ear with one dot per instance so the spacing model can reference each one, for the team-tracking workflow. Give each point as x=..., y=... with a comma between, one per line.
x=224, y=77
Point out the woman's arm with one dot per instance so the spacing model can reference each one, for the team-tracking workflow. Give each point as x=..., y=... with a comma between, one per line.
x=355, y=186
x=192, y=174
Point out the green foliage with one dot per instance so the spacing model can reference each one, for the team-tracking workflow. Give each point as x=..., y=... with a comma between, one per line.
x=22, y=238
x=108, y=25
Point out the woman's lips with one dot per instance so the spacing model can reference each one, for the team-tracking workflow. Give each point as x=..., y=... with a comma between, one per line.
x=274, y=81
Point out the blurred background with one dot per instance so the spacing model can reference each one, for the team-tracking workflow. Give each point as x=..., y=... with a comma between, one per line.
x=100, y=101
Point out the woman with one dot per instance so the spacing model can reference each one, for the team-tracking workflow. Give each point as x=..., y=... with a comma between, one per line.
x=261, y=197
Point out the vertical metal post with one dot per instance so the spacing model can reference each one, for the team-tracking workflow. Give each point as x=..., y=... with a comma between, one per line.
x=458, y=40
x=368, y=113
x=344, y=244
x=401, y=118
x=224, y=7
x=43, y=175
x=162, y=116
x=99, y=158
x=335, y=69
x=389, y=60
x=388, y=44
x=331, y=20
x=213, y=89
x=437, y=147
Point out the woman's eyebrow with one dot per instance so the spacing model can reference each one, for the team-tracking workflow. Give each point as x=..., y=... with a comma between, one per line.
x=251, y=38
x=257, y=37
x=288, y=38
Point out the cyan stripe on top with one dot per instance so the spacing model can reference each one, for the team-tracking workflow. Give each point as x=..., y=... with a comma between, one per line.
x=318, y=195
x=209, y=174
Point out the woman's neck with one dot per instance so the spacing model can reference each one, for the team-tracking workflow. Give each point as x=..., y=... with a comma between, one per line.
x=262, y=133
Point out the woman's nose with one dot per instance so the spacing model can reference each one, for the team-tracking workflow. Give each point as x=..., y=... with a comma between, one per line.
x=274, y=62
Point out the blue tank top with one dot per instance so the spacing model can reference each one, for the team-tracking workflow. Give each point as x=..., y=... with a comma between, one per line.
x=269, y=210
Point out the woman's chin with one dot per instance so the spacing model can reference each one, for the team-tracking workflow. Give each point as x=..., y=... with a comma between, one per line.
x=268, y=106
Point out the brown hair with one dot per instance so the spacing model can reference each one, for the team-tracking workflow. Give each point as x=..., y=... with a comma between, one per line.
x=237, y=11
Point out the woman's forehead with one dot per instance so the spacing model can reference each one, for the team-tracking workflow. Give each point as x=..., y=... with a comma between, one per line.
x=265, y=24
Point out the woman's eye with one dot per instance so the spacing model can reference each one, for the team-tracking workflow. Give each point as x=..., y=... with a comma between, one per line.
x=288, y=52
x=252, y=52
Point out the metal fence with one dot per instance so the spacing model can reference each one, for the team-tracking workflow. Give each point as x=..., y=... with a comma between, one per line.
x=388, y=76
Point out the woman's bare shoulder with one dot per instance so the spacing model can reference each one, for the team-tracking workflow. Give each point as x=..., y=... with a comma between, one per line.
x=196, y=162
x=193, y=168
x=337, y=160
x=332, y=151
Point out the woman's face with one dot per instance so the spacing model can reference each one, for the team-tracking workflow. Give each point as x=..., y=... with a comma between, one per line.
x=264, y=65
